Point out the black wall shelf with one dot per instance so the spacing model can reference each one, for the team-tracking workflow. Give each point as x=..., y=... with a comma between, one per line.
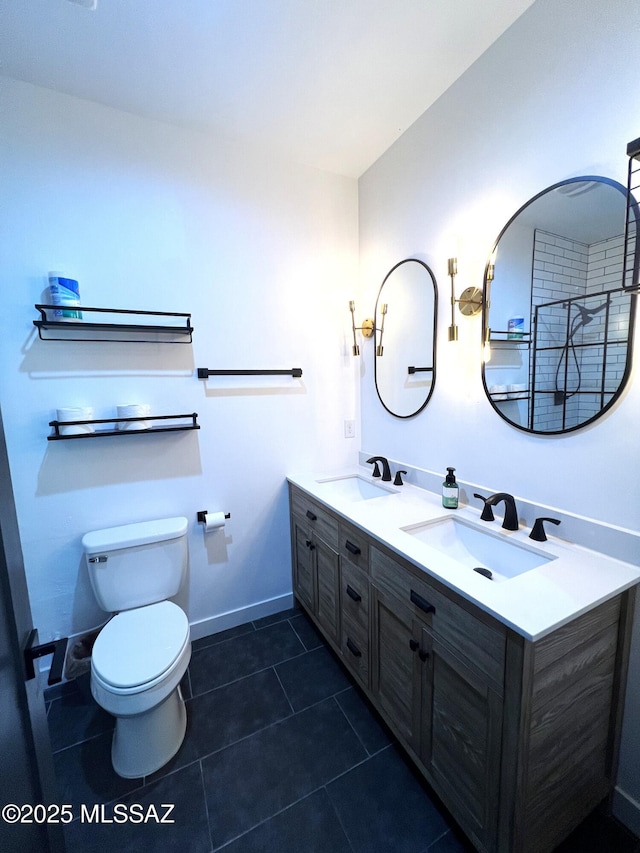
x=101, y=433
x=178, y=326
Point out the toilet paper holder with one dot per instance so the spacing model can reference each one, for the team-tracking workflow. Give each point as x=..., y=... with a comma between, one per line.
x=202, y=515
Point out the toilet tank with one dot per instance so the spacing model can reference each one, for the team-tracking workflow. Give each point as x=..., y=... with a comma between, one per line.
x=137, y=564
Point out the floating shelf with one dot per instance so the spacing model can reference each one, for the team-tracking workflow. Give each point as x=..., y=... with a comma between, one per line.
x=508, y=343
x=509, y=396
x=177, y=332
x=101, y=433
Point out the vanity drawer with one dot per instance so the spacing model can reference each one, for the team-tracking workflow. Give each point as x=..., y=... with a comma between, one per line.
x=393, y=576
x=478, y=638
x=355, y=650
x=319, y=519
x=354, y=596
x=354, y=545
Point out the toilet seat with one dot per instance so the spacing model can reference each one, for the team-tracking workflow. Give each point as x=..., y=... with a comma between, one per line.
x=137, y=648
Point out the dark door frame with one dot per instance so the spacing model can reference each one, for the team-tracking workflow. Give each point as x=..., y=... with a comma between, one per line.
x=27, y=776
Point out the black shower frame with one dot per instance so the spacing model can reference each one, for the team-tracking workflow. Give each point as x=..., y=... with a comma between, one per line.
x=631, y=267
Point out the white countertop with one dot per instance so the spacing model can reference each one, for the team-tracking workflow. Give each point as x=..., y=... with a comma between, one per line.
x=534, y=603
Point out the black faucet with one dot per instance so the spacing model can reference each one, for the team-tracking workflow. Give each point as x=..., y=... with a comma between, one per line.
x=386, y=471
x=510, y=521
x=487, y=512
x=537, y=531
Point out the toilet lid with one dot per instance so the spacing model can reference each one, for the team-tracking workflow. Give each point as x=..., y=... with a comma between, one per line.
x=138, y=645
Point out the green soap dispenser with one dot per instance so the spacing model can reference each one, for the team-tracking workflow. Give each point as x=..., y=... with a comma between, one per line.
x=450, y=490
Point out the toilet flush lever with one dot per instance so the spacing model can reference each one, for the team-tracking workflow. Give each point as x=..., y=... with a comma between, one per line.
x=100, y=559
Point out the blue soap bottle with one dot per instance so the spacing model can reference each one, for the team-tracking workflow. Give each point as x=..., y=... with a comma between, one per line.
x=450, y=490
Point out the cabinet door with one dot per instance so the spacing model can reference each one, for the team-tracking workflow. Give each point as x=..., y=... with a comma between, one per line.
x=328, y=588
x=395, y=673
x=303, y=562
x=461, y=730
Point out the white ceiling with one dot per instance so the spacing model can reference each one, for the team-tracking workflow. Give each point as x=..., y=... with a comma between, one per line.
x=331, y=83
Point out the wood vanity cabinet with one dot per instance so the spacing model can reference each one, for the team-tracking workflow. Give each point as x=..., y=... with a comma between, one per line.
x=316, y=573
x=519, y=739
x=437, y=673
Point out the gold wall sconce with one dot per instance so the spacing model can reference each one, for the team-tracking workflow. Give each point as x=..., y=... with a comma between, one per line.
x=383, y=312
x=486, y=341
x=367, y=328
x=469, y=303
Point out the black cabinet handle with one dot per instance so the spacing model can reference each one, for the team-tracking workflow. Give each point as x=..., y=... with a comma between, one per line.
x=413, y=645
x=353, y=594
x=353, y=648
x=423, y=655
x=353, y=549
x=422, y=603
x=311, y=516
x=310, y=544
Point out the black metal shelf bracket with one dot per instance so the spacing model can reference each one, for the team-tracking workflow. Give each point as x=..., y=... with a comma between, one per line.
x=57, y=648
x=122, y=332
x=204, y=372
x=101, y=433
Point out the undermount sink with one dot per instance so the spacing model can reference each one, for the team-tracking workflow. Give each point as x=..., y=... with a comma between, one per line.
x=478, y=548
x=353, y=487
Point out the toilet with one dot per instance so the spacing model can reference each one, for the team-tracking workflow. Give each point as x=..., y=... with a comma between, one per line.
x=142, y=653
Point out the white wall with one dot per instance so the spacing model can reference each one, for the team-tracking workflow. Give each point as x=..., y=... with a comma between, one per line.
x=264, y=254
x=554, y=97
x=146, y=216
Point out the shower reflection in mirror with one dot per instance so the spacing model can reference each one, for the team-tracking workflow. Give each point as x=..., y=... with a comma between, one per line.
x=559, y=321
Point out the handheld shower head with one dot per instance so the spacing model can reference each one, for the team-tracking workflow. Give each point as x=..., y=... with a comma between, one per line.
x=587, y=314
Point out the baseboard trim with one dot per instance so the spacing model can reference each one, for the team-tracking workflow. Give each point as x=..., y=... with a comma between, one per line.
x=233, y=618
x=204, y=628
x=626, y=810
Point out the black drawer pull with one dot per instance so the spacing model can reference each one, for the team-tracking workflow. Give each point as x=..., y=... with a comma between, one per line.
x=422, y=603
x=311, y=516
x=353, y=594
x=423, y=655
x=309, y=544
x=413, y=645
x=353, y=549
x=353, y=648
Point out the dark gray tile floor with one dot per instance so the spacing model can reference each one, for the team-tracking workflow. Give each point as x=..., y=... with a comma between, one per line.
x=282, y=755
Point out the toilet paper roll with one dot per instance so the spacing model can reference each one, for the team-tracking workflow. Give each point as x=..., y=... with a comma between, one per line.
x=78, y=413
x=214, y=521
x=132, y=410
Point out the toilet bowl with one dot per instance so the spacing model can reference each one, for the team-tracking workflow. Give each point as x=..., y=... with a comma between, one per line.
x=141, y=655
x=138, y=661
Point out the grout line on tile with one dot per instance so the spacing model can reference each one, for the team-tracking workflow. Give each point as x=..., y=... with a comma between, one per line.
x=342, y=826
x=80, y=742
x=321, y=644
x=206, y=805
x=276, y=814
x=436, y=840
x=353, y=728
x=249, y=674
x=293, y=710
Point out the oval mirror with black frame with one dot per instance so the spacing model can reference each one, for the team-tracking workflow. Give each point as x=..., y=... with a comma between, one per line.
x=558, y=321
x=405, y=336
